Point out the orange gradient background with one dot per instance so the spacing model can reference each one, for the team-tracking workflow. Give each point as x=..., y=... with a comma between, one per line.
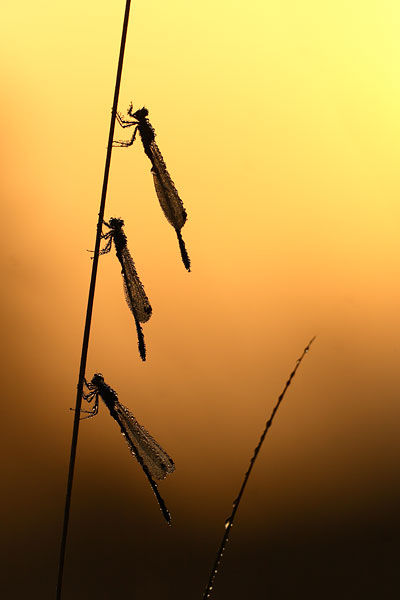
x=280, y=125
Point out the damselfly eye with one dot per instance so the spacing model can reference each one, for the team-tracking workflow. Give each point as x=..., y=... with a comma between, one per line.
x=97, y=378
x=116, y=223
x=141, y=113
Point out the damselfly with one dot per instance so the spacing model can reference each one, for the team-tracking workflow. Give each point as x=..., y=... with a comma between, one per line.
x=154, y=461
x=166, y=191
x=134, y=292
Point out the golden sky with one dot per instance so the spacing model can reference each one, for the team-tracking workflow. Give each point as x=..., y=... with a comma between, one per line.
x=280, y=125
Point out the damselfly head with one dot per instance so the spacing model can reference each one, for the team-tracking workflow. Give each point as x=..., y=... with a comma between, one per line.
x=140, y=114
x=97, y=379
x=116, y=223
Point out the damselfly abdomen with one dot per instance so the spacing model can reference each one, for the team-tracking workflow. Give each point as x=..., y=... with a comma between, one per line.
x=166, y=191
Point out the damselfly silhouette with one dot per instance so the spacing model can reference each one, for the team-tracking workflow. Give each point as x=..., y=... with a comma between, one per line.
x=134, y=292
x=165, y=189
x=154, y=461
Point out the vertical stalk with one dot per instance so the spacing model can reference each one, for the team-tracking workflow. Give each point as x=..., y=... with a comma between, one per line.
x=89, y=309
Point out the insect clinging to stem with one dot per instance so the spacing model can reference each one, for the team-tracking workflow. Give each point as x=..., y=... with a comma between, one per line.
x=135, y=295
x=154, y=461
x=166, y=191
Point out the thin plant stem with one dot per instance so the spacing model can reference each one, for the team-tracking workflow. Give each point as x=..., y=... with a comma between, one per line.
x=89, y=310
x=236, y=502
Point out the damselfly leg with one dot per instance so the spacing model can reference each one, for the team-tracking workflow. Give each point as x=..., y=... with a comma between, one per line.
x=92, y=394
x=123, y=123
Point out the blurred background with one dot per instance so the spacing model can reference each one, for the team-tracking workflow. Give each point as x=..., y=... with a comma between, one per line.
x=280, y=125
